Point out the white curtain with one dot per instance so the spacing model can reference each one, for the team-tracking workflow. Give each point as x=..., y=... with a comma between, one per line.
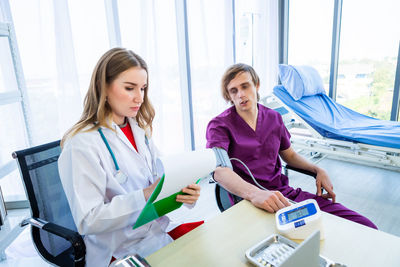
x=60, y=42
x=69, y=98
x=271, y=58
x=149, y=29
x=257, y=39
x=210, y=31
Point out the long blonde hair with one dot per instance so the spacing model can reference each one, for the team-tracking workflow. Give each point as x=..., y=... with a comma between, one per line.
x=97, y=112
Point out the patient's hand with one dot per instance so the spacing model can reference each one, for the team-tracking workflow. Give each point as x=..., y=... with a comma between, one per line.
x=270, y=201
x=192, y=194
x=323, y=181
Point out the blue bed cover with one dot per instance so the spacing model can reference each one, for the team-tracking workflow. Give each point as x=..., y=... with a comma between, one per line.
x=335, y=121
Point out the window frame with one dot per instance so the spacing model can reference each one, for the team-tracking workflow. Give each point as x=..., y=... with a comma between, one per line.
x=335, y=50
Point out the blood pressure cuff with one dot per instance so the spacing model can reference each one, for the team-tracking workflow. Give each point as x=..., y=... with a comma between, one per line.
x=222, y=157
x=222, y=160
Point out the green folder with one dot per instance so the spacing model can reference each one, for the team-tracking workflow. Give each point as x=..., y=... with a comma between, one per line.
x=153, y=210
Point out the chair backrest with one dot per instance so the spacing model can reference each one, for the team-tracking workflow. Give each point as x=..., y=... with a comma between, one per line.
x=39, y=170
x=224, y=199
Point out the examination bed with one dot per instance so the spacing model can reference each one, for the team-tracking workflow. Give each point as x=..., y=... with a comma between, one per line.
x=332, y=128
x=333, y=120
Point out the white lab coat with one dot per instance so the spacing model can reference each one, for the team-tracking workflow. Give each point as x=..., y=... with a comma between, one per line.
x=104, y=210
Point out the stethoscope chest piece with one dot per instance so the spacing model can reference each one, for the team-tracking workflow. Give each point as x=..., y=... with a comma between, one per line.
x=121, y=177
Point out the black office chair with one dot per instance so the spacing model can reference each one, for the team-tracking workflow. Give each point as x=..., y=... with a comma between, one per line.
x=53, y=229
x=225, y=200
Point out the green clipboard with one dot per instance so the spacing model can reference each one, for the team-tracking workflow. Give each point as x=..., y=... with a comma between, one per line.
x=153, y=210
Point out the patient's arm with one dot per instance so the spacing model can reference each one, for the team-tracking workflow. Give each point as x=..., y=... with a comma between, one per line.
x=322, y=180
x=270, y=201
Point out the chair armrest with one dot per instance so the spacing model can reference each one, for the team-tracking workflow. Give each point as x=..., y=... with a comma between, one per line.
x=73, y=237
x=313, y=174
x=223, y=199
x=221, y=195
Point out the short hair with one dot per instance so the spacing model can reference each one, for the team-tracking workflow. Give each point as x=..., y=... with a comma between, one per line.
x=231, y=73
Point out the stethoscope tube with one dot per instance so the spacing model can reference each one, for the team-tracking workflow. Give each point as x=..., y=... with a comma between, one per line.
x=121, y=177
x=109, y=148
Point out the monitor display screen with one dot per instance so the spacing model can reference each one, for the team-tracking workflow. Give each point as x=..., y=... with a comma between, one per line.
x=295, y=214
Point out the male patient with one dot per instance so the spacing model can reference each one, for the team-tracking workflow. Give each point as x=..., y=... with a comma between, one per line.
x=257, y=136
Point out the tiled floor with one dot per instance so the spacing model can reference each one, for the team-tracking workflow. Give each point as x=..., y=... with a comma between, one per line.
x=372, y=192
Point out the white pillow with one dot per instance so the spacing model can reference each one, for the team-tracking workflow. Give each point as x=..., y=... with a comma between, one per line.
x=300, y=81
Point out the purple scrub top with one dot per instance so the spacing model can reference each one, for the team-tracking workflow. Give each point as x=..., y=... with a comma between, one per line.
x=259, y=149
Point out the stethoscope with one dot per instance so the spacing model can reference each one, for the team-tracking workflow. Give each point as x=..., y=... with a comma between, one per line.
x=120, y=176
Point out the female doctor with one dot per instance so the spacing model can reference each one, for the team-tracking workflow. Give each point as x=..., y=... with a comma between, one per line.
x=107, y=163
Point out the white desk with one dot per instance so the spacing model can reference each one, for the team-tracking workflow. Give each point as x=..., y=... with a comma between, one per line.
x=11, y=229
x=223, y=241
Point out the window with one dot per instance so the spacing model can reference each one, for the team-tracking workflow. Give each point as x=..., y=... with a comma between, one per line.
x=368, y=56
x=310, y=35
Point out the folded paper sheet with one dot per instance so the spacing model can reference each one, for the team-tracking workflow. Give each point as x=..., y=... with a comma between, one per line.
x=178, y=172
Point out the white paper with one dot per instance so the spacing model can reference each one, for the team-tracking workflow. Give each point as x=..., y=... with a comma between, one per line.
x=186, y=168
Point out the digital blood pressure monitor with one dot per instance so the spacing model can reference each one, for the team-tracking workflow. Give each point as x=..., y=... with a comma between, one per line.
x=299, y=220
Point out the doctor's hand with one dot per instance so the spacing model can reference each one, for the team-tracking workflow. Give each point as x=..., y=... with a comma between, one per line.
x=149, y=190
x=268, y=200
x=323, y=181
x=191, y=194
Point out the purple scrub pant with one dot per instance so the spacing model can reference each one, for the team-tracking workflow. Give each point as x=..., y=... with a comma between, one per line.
x=324, y=204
